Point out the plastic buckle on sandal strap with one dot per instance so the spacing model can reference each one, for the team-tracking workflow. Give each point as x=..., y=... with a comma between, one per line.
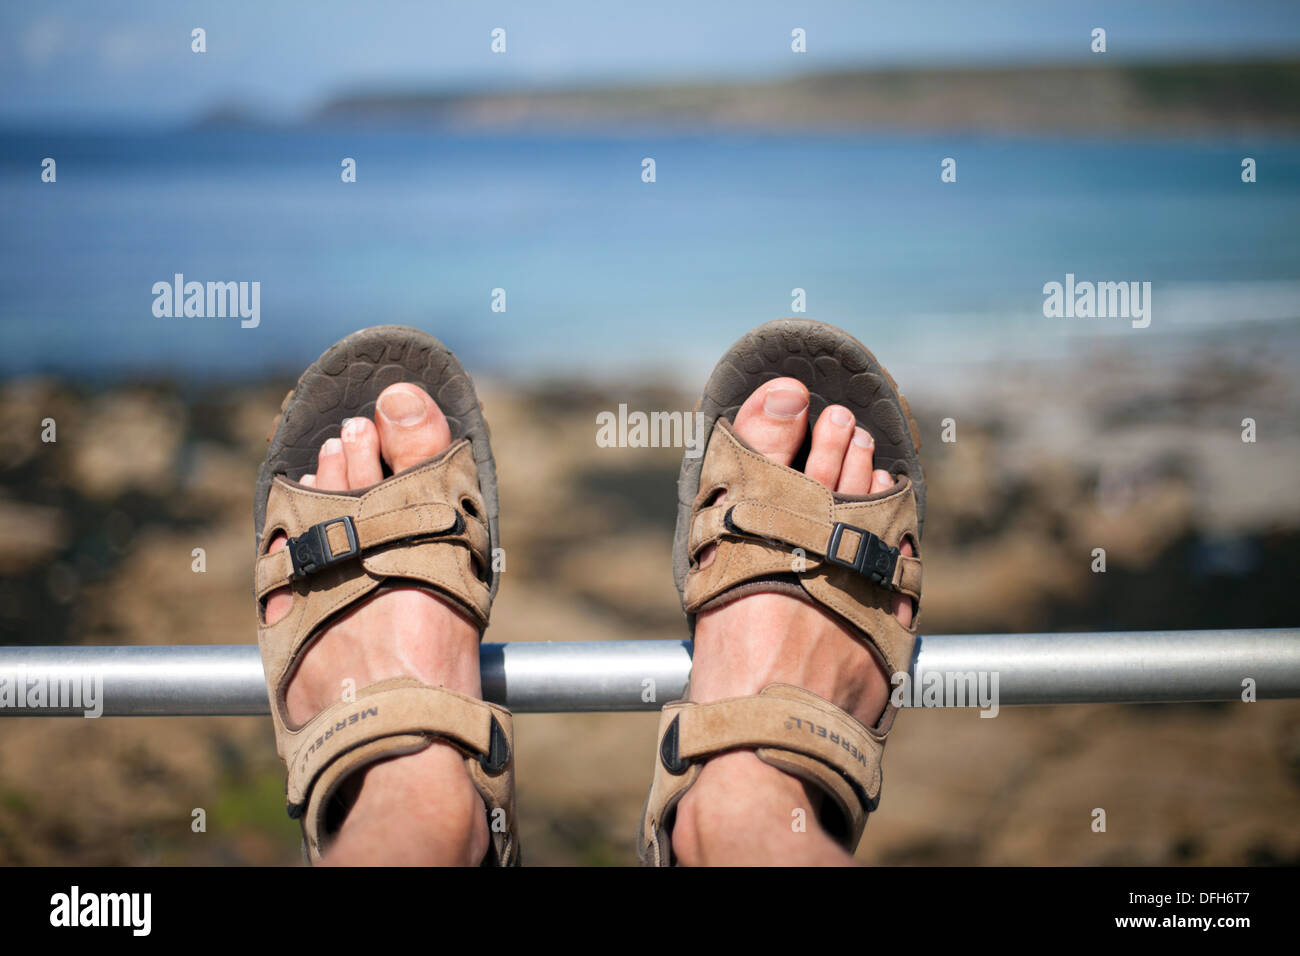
x=311, y=550
x=874, y=559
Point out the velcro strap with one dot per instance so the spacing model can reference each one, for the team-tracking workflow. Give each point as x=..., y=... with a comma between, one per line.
x=775, y=522
x=394, y=708
x=414, y=521
x=707, y=526
x=782, y=717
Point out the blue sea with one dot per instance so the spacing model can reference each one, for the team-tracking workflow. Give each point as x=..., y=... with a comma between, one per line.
x=608, y=276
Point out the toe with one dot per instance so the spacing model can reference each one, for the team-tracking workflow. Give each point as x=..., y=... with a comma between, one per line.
x=332, y=467
x=881, y=480
x=412, y=429
x=830, y=440
x=855, y=473
x=772, y=422
x=774, y=418
x=361, y=448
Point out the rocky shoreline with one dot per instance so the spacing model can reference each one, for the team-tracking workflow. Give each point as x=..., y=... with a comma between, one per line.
x=99, y=531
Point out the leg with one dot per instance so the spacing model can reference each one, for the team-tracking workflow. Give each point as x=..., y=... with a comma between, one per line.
x=741, y=810
x=420, y=809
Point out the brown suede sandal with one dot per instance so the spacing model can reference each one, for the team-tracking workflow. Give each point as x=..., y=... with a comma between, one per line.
x=779, y=530
x=434, y=526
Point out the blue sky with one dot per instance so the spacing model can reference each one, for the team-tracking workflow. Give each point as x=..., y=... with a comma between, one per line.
x=109, y=61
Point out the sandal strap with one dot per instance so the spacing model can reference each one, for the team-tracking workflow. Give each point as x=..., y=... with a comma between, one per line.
x=834, y=540
x=848, y=559
x=348, y=536
x=787, y=727
x=393, y=718
x=408, y=507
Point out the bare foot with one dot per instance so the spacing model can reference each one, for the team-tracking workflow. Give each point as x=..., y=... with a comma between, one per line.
x=740, y=809
x=420, y=809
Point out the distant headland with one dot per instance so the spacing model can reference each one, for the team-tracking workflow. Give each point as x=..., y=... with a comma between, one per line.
x=1105, y=99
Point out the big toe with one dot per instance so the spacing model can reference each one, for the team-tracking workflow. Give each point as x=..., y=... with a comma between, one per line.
x=412, y=429
x=774, y=419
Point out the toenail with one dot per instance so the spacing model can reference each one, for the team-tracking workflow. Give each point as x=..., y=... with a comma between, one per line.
x=350, y=427
x=784, y=403
x=402, y=408
x=841, y=416
x=862, y=438
x=332, y=446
